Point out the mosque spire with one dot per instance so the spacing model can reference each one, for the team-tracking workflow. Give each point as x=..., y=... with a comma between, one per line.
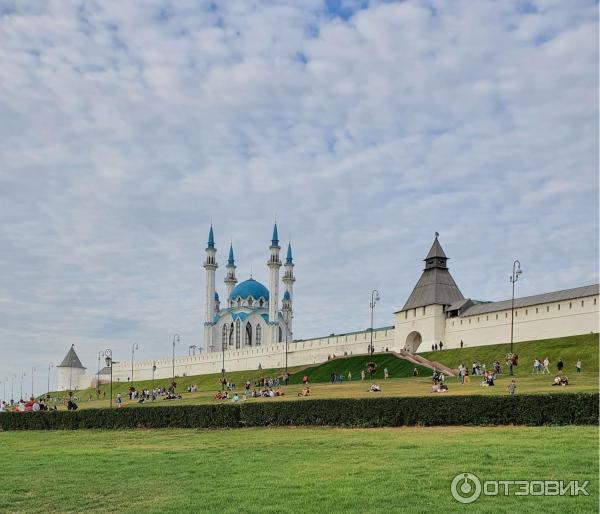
x=230, y=278
x=231, y=260
x=288, y=258
x=275, y=238
x=211, y=237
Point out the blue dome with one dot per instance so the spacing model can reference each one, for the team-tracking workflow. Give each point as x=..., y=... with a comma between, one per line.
x=248, y=288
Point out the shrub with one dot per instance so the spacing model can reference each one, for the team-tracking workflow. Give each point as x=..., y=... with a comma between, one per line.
x=557, y=409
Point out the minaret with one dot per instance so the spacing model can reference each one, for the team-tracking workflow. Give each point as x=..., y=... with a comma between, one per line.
x=274, y=264
x=210, y=265
x=230, y=280
x=288, y=280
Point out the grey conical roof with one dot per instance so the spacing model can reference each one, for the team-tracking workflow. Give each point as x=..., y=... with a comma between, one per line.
x=436, y=250
x=436, y=286
x=71, y=360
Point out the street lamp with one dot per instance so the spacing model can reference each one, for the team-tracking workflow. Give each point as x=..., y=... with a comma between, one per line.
x=516, y=271
x=176, y=339
x=289, y=318
x=108, y=361
x=100, y=354
x=153, y=370
x=50, y=366
x=32, y=372
x=374, y=300
x=223, y=343
x=12, y=389
x=134, y=347
x=22, y=377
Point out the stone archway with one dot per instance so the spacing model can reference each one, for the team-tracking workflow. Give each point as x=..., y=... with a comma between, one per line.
x=413, y=341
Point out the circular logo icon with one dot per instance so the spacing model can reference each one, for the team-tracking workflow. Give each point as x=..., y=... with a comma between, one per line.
x=466, y=488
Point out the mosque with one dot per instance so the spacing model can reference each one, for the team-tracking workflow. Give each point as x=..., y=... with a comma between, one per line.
x=253, y=328
x=252, y=315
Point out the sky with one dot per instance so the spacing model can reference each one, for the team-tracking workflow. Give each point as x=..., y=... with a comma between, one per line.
x=361, y=127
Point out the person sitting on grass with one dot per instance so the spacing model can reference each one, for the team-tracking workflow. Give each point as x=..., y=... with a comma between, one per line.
x=279, y=392
x=375, y=388
x=305, y=392
x=560, y=381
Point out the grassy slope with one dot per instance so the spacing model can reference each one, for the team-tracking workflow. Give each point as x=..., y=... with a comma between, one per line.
x=569, y=348
x=309, y=470
x=398, y=368
x=204, y=382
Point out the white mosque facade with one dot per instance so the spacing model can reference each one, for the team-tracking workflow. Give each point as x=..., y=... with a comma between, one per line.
x=253, y=327
x=252, y=314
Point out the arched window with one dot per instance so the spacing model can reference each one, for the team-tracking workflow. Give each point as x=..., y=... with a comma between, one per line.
x=248, y=337
x=261, y=302
x=258, y=334
x=238, y=329
x=280, y=335
x=239, y=302
x=224, y=338
x=250, y=301
x=231, y=334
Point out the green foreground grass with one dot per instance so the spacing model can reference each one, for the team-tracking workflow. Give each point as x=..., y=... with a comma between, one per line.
x=291, y=469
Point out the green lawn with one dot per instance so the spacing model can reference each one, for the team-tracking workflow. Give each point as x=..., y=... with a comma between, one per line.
x=584, y=347
x=309, y=470
x=398, y=368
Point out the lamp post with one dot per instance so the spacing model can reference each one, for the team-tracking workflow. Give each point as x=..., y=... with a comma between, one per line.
x=223, y=343
x=4, y=382
x=153, y=370
x=134, y=347
x=12, y=389
x=108, y=361
x=100, y=354
x=176, y=339
x=374, y=300
x=22, y=377
x=32, y=372
x=50, y=366
x=516, y=271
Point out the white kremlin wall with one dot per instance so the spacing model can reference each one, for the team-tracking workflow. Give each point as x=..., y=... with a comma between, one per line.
x=542, y=321
x=303, y=352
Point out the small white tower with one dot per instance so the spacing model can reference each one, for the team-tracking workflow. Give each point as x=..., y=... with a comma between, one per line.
x=230, y=280
x=210, y=265
x=274, y=264
x=288, y=296
x=69, y=371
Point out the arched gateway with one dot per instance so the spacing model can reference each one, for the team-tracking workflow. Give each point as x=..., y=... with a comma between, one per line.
x=413, y=340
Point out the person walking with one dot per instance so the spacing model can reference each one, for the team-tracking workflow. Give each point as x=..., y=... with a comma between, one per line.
x=461, y=373
x=441, y=345
x=546, y=364
x=386, y=373
x=560, y=365
x=349, y=376
x=362, y=375
x=578, y=366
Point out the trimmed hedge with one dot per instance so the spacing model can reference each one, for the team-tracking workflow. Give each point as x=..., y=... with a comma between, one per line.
x=171, y=416
x=535, y=410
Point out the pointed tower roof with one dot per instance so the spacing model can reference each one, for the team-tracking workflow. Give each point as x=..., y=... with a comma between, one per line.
x=288, y=259
x=211, y=238
x=275, y=238
x=71, y=360
x=231, y=260
x=436, y=249
x=436, y=286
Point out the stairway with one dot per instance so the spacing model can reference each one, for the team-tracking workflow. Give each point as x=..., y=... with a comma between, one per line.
x=422, y=361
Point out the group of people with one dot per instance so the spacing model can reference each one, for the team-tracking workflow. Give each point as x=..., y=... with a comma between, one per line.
x=560, y=381
x=235, y=397
x=543, y=367
x=436, y=346
x=33, y=405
